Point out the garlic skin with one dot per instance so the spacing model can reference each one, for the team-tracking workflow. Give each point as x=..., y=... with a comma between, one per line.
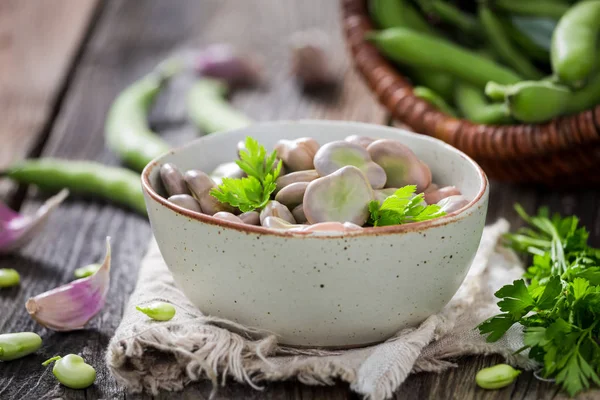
x=72, y=306
x=223, y=61
x=310, y=62
x=17, y=230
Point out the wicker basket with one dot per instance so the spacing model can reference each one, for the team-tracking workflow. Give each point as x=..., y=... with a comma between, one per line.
x=564, y=151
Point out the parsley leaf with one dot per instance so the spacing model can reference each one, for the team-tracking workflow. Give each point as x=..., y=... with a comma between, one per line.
x=403, y=207
x=253, y=191
x=516, y=299
x=560, y=309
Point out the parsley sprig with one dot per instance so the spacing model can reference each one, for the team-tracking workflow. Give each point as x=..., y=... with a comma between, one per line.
x=253, y=191
x=402, y=207
x=560, y=308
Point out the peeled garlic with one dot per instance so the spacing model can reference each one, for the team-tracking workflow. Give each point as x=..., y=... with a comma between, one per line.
x=72, y=306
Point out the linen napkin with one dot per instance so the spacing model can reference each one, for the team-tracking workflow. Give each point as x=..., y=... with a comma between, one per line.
x=146, y=355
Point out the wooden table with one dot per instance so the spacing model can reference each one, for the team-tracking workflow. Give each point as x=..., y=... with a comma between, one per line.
x=61, y=64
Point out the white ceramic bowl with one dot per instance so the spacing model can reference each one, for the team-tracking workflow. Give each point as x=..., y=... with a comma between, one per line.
x=331, y=291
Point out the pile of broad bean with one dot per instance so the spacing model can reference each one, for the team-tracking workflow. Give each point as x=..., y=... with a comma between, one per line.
x=316, y=188
x=495, y=61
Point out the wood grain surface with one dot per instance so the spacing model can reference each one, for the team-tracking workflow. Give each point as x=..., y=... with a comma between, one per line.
x=124, y=40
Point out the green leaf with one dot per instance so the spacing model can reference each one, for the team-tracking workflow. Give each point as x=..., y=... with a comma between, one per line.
x=579, y=287
x=496, y=326
x=515, y=298
x=535, y=336
x=402, y=207
x=551, y=292
x=253, y=191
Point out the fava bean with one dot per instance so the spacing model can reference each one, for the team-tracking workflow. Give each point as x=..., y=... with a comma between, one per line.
x=17, y=345
x=186, y=201
x=297, y=155
x=277, y=223
x=158, y=310
x=342, y=196
x=210, y=205
x=496, y=377
x=198, y=182
x=72, y=371
x=250, y=217
x=294, y=177
x=331, y=227
x=434, y=197
x=363, y=141
x=228, y=170
x=298, y=213
x=227, y=216
x=400, y=164
x=86, y=271
x=9, y=277
x=292, y=195
x=423, y=51
x=172, y=180
x=452, y=203
x=335, y=155
x=276, y=209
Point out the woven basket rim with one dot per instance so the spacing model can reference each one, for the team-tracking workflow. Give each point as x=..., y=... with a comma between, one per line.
x=495, y=142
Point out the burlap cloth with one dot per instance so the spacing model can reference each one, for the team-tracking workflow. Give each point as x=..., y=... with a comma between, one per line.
x=150, y=356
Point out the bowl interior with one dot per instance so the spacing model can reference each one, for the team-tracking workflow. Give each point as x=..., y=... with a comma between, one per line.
x=448, y=165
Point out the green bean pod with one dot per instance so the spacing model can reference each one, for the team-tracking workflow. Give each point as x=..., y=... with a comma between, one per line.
x=208, y=109
x=537, y=8
x=534, y=101
x=526, y=44
x=503, y=47
x=452, y=15
x=398, y=13
x=575, y=43
x=84, y=177
x=17, y=345
x=472, y=104
x=434, y=99
x=441, y=83
x=419, y=50
x=127, y=132
x=586, y=97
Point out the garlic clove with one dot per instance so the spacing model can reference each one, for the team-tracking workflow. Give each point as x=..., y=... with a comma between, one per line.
x=17, y=230
x=311, y=64
x=72, y=306
x=224, y=61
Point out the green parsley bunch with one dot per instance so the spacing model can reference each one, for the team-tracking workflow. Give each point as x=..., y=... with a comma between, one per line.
x=560, y=308
x=254, y=191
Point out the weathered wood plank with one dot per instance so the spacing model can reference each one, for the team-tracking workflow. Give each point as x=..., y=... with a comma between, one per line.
x=128, y=41
x=38, y=43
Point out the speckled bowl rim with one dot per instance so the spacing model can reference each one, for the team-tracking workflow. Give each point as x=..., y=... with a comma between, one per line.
x=369, y=231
